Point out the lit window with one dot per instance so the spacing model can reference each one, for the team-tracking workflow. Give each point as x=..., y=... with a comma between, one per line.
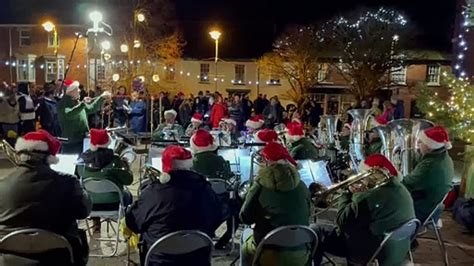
x=399, y=75
x=55, y=69
x=51, y=43
x=204, y=76
x=239, y=74
x=25, y=37
x=25, y=69
x=323, y=72
x=433, y=76
x=170, y=74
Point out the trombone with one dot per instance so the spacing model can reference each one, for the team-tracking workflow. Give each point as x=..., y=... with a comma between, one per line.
x=10, y=152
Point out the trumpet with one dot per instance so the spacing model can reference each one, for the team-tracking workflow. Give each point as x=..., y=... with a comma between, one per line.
x=368, y=180
x=10, y=152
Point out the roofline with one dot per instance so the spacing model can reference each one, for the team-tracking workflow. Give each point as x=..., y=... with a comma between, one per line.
x=36, y=25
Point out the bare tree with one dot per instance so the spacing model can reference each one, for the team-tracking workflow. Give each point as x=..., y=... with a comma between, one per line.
x=368, y=47
x=295, y=58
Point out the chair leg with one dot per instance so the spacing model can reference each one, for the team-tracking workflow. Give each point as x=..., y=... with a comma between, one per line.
x=233, y=237
x=329, y=259
x=410, y=256
x=88, y=228
x=441, y=243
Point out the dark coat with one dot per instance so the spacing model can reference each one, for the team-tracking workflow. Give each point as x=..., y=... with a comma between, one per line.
x=39, y=197
x=304, y=149
x=48, y=114
x=211, y=165
x=186, y=202
x=138, y=116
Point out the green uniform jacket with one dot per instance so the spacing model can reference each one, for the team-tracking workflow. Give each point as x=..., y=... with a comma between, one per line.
x=429, y=182
x=116, y=171
x=344, y=142
x=158, y=134
x=364, y=217
x=374, y=148
x=276, y=198
x=72, y=117
x=303, y=149
x=211, y=165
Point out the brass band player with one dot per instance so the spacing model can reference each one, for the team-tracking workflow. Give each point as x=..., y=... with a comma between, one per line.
x=196, y=123
x=364, y=217
x=168, y=129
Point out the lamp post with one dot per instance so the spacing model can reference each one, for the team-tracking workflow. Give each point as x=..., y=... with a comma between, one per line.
x=50, y=27
x=216, y=35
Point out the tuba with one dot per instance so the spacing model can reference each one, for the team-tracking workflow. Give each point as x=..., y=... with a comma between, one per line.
x=359, y=125
x=385, y=134
x=10, y=152
x=331, y=127
x=367, y=180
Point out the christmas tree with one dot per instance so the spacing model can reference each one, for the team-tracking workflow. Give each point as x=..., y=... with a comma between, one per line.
x=456, y=111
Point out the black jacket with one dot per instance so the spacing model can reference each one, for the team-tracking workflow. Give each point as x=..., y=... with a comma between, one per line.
x=186, y=202
x=35, y=196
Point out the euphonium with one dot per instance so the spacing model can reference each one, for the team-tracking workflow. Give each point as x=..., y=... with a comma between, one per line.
x=331, y=127
x=359, y=125
x=367, y=180
x=152, y=173
x=10, y=152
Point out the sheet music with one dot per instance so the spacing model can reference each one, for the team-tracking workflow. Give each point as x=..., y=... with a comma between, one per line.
x=66, y=164
x=156, y=163
x=314, y=171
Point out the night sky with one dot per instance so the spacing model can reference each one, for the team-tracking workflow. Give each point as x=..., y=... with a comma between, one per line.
x=249, y=26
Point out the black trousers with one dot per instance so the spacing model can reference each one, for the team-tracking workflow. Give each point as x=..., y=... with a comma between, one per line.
x=329, y=241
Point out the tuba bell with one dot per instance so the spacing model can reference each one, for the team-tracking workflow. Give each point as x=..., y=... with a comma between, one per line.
x=10, y=152
x=359, y=125
x=330, y=121
x=385, y=134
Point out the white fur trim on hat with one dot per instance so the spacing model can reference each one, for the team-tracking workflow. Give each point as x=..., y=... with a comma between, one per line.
x=170, y=112
x=177, y=165
x=51, y=159
x=31, y=145
x=96, y=147
x=229, y=121
x=294, y=138
x=164, y=178
x=196, y=120
x=73, y=86
x=253, y=124
x=196, y=149
x=433, y=144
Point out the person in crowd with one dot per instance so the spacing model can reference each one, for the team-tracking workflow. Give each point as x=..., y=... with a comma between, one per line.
x=273, y=113
x=431, y=179
x=196, y=123
x=230, y=126
x=39, y=197
x=179, y=99
x=72, y=116
x=100, y=162
x=206, y=161
x=266, y=136
x=388, y=111
x=48, y=113
x=374, y=144
x=27, y=109
x=345, y=137
x=259, y=104
x=180, y=199
x=236, y=111
x=375, y=107
x=254, y=124
x=137, y=113
x=276, y=198
x=168, y=129
x=120, y=107
x=364, y=216
x=247, y=107
x=96, y=116
x=82, y=92
x=218, y=111
x=301, y=147
x=9, y=115
x=399, y=108
x=185, y=112
x=314, y=115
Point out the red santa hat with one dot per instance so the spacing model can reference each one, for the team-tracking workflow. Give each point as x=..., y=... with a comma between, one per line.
x=378, y=161
x=266, y=135
x=38, y=141
x=295, y=131
x=174, y=158
x=202, y=141
x=228, y=120
x=435, y=138
x=99, y=139
x=255, y=122
x=71, y=85
x=197, y=118
x=276, y=153
x=170, y=112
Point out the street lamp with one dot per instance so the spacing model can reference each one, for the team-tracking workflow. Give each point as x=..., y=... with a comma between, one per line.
x=140, y=17
x=216, y=35
x=105, y=45
x=50, y=27
x=124, y=48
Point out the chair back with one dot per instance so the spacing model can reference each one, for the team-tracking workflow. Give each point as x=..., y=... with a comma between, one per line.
x=34, y=241
x=180, y=243
x=98, y=186
x=435, y=210
x=287, y=237
x=406, y=231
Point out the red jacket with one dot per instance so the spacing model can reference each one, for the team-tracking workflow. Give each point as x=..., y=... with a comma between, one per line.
x=218, y=112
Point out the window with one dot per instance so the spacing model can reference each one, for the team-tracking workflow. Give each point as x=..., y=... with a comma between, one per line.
x=204, y=76
x=55, y=69
x=101, y=72
x=170, y=74
x=433, y=75
x=25, y=68
x=25, y=37
x=51, y=43
x=323, y=72
x=239, y=74
x=399, y=75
